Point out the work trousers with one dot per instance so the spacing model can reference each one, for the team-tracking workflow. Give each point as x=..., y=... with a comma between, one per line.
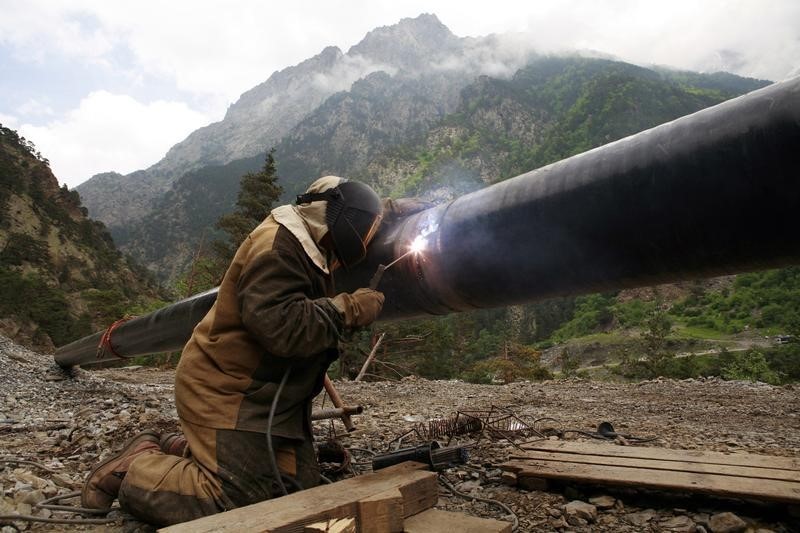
x=221, y=470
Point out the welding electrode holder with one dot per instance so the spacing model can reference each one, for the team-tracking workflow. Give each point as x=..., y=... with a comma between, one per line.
x=376, y=278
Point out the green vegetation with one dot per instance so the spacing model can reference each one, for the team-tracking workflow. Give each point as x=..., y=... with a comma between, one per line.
x=517, y=362
x=257, y=192
x=777, y=365
x=561, y=107
x=592, y=313
x=60, y=275
x=765, y=300
x=28, y=297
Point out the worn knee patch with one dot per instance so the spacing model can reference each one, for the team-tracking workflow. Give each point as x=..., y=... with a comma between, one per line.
x=165, y=489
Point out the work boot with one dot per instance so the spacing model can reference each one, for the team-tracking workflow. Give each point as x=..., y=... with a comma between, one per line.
x=103, y=483
x=173, y=444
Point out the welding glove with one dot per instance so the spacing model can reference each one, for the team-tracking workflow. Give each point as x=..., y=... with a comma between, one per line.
x=359, y=308
x=403, y=207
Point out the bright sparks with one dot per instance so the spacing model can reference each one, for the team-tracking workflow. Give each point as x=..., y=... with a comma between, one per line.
x=418, y=244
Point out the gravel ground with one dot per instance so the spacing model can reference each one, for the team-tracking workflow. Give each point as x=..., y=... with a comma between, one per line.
x=64, y=424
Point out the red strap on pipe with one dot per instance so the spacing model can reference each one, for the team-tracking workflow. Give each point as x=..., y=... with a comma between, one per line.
x=105, y=345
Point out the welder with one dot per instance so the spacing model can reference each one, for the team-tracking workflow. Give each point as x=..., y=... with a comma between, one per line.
x=273, y=331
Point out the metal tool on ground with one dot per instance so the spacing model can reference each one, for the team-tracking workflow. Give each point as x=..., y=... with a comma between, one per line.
x=605, y=431
x=337, y=412
x=338, y=403
x=430, y=453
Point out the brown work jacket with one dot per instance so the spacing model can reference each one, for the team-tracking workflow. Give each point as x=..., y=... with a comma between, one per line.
x=272, y=312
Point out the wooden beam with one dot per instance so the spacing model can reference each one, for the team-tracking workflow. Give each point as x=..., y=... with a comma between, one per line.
x=382, y=512
x=334, y=525
x=376, y=494
x=436, y=521
x=666, y=454
x=718, y=485
x=734, y=475
x=657, y=464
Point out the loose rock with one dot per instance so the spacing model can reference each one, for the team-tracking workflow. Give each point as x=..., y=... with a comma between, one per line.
x=726, y=523
x=682, y=524
x=603, y=502
x=579, y=509
x=69, y=425
x=640, y=518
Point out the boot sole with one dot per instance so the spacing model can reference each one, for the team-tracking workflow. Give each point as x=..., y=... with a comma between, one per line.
x=132, y=442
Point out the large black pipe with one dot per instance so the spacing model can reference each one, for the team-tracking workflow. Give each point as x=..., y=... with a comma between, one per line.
x=711, y=193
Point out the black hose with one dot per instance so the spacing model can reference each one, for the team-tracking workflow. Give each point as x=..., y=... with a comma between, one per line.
x=292, y=481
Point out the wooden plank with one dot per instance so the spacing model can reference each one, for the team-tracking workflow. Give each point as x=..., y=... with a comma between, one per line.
x=727, y=486
x=436, y=521
x=334, y=525
x=665, y=454
x=418, y=488
x=382, y=512
x=655, y=464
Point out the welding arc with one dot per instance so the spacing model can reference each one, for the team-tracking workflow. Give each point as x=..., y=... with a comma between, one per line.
x=398, y=259
x=376, y=278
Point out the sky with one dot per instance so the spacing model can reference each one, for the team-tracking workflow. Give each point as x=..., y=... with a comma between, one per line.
x=102, y=85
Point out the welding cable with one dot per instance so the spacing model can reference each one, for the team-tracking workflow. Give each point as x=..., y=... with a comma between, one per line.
x=46, y=504
x=291, y=480
x=601, y=436
x=271, y=451
x=446, y=482
x=10, y=518
x=15, y=461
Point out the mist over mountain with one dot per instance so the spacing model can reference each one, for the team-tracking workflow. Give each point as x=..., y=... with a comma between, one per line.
x=411, y=109
x=266, y=113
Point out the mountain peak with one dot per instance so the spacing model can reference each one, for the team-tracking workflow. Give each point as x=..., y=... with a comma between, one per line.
x=409, y=44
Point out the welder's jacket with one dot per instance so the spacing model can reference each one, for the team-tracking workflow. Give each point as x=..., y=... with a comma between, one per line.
x=272, y=311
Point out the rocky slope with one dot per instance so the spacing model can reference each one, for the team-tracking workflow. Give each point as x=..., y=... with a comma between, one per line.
x=62, y=425
x=266, y=113
x=431, y=135
x=60, y=273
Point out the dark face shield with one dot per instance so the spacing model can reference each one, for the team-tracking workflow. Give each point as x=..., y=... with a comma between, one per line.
x=353, y=220
x=353, y=214
x=352, y=235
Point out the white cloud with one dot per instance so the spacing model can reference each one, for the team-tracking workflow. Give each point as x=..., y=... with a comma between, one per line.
x=212, y=50
x=750, y=38
x=38, y=29
x=9, y=121
x=220, y=49
x=346, y=72
x=111, y=132
x=35, y=108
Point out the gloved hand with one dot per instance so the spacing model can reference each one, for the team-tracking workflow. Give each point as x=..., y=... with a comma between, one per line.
x=359, y=308
x=403, y=207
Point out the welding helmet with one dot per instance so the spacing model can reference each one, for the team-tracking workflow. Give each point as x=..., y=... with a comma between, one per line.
x=352, y=215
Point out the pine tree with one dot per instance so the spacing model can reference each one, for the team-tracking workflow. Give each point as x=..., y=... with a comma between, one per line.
x=257, y=192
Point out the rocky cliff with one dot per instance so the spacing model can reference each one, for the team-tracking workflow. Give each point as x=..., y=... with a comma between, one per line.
x=61, y=277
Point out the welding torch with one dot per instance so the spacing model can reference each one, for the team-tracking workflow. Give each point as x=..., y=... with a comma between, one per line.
x=376, y=278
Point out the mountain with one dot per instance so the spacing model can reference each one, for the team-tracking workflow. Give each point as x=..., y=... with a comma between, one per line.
x=61, y=277
x=552, y=108
x=266, y=113
x=411, y=109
